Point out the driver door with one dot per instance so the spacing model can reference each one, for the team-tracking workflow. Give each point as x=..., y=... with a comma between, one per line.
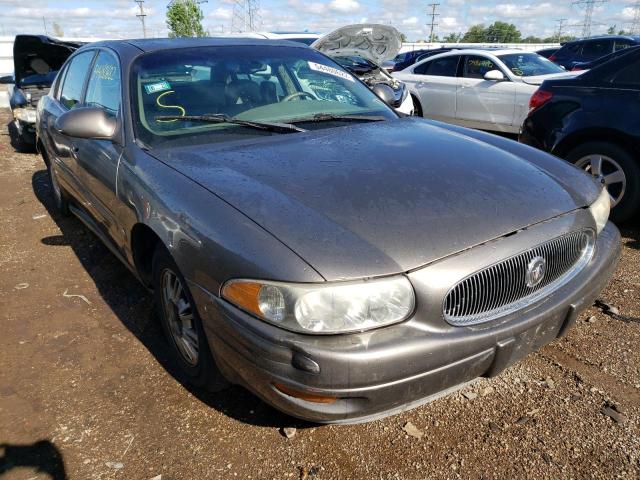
x=484, y=103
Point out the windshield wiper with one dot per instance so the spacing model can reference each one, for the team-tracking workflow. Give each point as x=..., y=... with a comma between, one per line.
x=328, y=117
x=222, y=118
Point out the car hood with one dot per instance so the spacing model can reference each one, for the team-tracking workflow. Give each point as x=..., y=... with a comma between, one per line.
x=374, y=42
x=36, y=56
x=538, y=79
x=388, y=197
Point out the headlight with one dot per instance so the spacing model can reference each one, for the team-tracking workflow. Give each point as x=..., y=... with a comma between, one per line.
x=325, y=308
x=600, y=209
x=27, y=115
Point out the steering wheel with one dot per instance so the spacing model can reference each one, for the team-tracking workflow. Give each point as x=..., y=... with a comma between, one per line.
x=288, y=98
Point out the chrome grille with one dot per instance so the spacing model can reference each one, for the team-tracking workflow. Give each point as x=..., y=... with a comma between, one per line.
x=502, y=287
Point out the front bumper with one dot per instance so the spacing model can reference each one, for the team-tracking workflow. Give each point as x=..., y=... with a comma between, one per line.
x=388, y=370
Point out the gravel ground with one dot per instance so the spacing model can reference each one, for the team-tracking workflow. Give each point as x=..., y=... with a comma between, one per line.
x=87, y=390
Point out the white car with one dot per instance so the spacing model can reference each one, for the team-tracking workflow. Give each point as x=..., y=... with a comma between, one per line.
x=484, y=89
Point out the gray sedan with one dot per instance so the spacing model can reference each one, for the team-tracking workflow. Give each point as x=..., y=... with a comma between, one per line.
x=303, y=240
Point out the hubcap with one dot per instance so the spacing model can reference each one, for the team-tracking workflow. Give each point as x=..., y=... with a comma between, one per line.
x=608, y=171
x=179, y=315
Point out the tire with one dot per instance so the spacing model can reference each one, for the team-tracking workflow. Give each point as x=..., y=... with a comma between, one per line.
x=613, y=156
x=59, y=196
x=417, y=108
x=182, y=324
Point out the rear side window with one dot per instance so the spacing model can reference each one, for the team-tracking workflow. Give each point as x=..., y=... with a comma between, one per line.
x=596, y=49
x=629, y=75
x=621, y=45
x=104, y=84
x=440, y=67
x=76, y=72
x=568, y=50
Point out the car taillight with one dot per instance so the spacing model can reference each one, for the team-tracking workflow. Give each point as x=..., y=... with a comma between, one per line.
x=553, y=58
x=539, y=98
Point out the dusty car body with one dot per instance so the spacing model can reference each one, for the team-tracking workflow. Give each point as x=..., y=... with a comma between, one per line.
x=363, y=49
x=36, y=59
x=342, y=267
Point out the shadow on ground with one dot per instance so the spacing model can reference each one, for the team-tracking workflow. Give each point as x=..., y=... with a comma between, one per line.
x=16, y=142
x=43, y=457
x=132, y=304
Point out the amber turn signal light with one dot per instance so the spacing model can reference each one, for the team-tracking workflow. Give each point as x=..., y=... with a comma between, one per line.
x=309, y=397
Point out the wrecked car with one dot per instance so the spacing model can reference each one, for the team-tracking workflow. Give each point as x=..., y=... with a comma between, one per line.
x=305, y=241
x=362, y=49
x=36, y=59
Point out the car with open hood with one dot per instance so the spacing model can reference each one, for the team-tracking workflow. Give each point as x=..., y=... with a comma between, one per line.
x=36, y=59
x=363, y=49
x=305, y=241
x=488, y=89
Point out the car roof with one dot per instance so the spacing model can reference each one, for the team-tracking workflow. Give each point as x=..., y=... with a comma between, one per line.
x=481, y=51
x=155, y=44
x=635, y=38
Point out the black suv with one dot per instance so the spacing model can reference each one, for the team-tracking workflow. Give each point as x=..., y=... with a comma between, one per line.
x=587, y=49
x=592, y=121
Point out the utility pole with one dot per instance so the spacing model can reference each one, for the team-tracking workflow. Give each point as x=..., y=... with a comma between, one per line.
x=635, y=24
x=246, y=15
x=588, y=14
x=561, y=22
x=44, y=22
x=433, y=16
x=142, y=16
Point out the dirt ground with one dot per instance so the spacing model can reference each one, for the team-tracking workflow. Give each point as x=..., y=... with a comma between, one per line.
x=87, y=390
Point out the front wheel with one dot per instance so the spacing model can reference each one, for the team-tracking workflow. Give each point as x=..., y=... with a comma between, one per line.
x=417, y=108
x=182, y=324
x=617, y=170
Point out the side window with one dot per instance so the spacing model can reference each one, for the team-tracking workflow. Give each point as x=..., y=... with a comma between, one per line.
x=621, y=45
x=440, y=67
x=59, y=81
x=104, y=84
x=568, y=50
x=629, y=75
x=596, y=49
x=71, y=93
x=476, y=67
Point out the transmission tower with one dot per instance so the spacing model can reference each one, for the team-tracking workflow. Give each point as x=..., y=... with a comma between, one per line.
x=246, y=16
x=588, y=14
x=142, y=16
x=561, y=22
x=635, y=23
x=433, y=16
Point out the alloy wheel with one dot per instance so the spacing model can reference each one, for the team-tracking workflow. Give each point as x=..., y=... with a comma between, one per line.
x=179, y=315
x=608, y=171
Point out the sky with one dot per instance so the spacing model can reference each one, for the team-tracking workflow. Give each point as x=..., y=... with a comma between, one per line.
x=117, y=18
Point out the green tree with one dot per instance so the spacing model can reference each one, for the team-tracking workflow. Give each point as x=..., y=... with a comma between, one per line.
x=475, y=34
x=503, y=32
x=532, y=39
x=452, y=37
x=403, y=38
x=184, y=19
x=611, y=30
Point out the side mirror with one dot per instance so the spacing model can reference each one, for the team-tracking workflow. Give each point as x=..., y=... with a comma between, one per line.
x=384, y=92
x=87, y=122
x=494, y=76
x=6, y=79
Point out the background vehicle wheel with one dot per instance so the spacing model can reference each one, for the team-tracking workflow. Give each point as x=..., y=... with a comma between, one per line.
x=417, y=108
x=59, y=198
x=182, y=325
x=619, y=171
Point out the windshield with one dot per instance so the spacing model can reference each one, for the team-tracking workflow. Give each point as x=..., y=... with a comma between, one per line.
x=250, y=83
x=529, y=64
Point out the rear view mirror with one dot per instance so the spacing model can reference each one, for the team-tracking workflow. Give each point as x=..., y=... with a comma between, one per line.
x=88, y=122
x=494, y=76
x=384, y=92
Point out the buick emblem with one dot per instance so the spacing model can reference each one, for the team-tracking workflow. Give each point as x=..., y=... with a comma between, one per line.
x=535, y=271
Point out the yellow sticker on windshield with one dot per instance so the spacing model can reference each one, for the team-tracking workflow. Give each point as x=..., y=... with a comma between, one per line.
x=318, y=67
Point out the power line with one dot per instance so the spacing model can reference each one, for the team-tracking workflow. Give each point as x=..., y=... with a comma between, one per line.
x=635, y=24
x=246, y=16
x=142, y=16
x=588, y=14
x=433, y=16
